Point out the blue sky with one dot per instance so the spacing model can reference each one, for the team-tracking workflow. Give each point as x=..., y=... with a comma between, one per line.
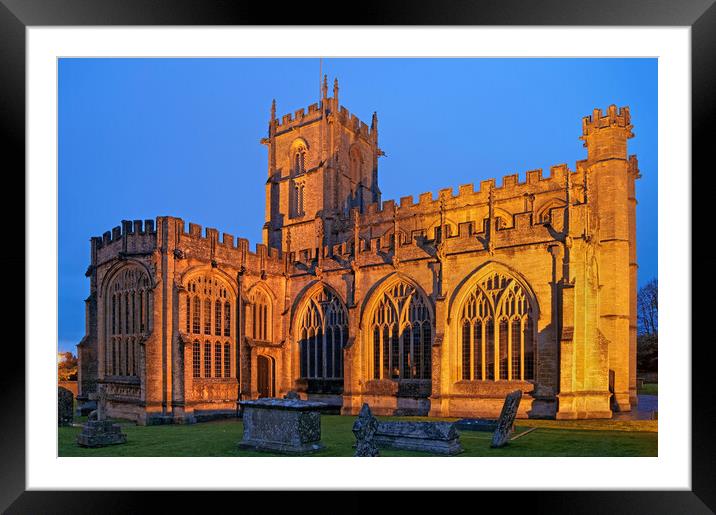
x=135, y=133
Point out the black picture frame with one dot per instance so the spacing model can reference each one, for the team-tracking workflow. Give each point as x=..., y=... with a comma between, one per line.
x=16, y=15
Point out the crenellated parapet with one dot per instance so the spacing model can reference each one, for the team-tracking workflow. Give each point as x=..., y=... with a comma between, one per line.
x=471, y=236
x=467, y=195
x=298, y=118
x=612, y=118
x=197, y=242
x=127, y=228
x=191, y=241
x=303, y=116
x=131, y=237
x=352, y=122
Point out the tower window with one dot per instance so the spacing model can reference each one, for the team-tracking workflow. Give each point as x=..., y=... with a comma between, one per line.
x=297, y=200
x=299, y=161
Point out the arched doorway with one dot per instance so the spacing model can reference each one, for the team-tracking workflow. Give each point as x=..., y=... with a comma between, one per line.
x=265, y=376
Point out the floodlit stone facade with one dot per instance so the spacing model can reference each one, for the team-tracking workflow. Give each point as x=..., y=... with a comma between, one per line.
x=439, y=305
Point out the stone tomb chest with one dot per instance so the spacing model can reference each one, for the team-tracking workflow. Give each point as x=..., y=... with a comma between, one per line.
x=282, y=425
x=433, y=437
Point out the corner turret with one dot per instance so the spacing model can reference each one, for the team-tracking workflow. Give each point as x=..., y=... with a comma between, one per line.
x=605, y=137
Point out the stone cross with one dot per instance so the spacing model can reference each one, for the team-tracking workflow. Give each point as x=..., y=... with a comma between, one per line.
x=101, y=402
x=501, y=436
x=364, y=429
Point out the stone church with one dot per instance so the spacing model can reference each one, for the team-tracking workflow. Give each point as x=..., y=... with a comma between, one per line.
x=438, y=306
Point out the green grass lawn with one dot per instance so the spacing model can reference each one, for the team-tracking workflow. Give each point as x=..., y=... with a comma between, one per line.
x=219, y=438
x=649, y=389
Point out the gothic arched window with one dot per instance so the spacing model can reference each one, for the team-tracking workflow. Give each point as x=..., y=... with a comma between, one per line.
x=323, y=332
x=496, y=324
x=261, y=316
x=402, y=334
x=297, y=198
x=208, y=305
x=126, y=320
x=299, y=160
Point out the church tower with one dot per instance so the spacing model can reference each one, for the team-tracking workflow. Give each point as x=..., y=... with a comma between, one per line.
x=321, y=164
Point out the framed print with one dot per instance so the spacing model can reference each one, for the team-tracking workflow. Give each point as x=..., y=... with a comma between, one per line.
x=357, y=298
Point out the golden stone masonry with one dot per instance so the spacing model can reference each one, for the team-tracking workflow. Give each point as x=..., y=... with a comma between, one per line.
x=435, y=306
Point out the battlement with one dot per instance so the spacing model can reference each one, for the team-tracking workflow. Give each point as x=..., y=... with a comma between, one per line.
x=299, y=117
x=510, y=186
x=613, y=118
x=354, y=123
x=127, y=227
x=469, y=235
x=141, y=236
x=523, y=228
x=227, y=241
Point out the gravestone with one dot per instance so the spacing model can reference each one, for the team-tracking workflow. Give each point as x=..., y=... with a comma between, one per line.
x=432, y=437
x=288, y=426
x=65, y=407
x=98, y=431
x=364, y=429
x=506, y=422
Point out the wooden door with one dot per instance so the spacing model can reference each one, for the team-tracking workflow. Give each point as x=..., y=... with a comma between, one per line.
x=264, y=376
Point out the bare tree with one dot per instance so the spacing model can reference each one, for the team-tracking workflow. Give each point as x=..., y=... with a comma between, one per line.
x=647, y=341
x=648, y=308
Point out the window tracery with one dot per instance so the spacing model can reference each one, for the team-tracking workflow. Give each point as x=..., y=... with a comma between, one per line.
x=402, y=334
x=261, y=316
x=497, y=337
x=208, y=313
x=323, y=333
x=126, y=320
